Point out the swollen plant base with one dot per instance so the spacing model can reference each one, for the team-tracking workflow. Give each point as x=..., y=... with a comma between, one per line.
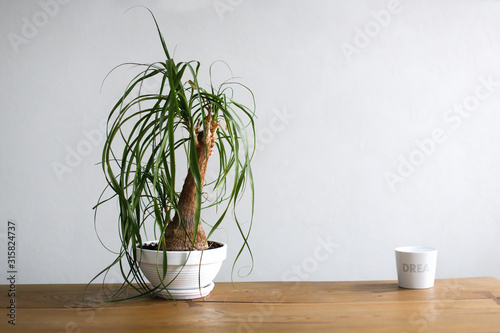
x=185, y=278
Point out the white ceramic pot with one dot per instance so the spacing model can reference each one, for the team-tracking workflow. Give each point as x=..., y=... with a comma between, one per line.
x=185, y=278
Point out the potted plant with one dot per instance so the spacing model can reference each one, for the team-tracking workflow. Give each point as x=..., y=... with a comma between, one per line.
x=153, y=139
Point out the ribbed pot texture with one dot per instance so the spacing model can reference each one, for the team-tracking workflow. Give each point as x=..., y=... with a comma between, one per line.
x=191, y=276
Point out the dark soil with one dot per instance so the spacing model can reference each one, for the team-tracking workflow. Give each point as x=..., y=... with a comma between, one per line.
x=154, y=245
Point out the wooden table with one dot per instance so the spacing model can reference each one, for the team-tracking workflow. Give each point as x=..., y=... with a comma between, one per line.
x=453, y=305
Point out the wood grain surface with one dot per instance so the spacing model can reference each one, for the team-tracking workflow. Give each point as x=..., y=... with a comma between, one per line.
x=452, y=305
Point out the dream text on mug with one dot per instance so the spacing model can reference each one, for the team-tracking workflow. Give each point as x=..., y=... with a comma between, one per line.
x=412, y=268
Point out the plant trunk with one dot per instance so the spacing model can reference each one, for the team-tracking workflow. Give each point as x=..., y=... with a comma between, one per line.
x=180, y=231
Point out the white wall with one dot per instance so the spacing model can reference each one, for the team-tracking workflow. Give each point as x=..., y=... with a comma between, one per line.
x=339, y=110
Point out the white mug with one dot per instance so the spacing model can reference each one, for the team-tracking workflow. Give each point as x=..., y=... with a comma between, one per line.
x=416, y=266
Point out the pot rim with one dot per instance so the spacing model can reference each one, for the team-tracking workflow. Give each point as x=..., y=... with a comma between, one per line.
x=182, y=258
x=223, y=245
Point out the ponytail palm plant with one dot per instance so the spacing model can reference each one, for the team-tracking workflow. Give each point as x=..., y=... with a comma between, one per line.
x=174, y=132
